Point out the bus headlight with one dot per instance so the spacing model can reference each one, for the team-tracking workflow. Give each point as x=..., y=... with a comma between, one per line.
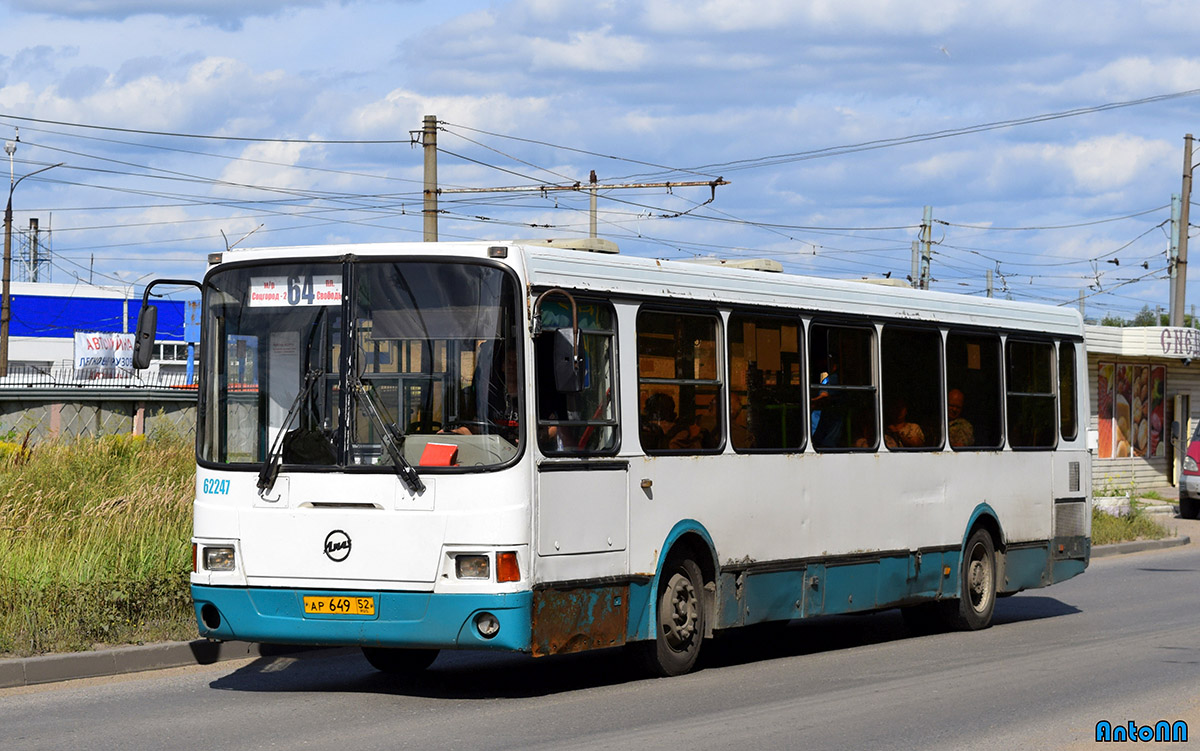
x=1189, y=465
x=218, y=559
x=472, y=567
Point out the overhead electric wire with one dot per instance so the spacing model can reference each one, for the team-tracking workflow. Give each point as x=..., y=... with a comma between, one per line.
x=787, y=158
x=305, y=203
x=990, y=228
x=575, y=150
x=226, y=157
x=209, y=137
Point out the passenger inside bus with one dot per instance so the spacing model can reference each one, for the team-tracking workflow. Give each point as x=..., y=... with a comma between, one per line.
x=827, y=410
x=661, y=429
x=553, y=406
x=491, y=403
x=962, y=433
x=899, y=432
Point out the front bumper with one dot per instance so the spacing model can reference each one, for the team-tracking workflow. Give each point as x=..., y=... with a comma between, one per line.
x=1189, y=486
x=401, y=619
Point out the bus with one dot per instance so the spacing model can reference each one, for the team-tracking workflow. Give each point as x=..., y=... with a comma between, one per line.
x=549, y=447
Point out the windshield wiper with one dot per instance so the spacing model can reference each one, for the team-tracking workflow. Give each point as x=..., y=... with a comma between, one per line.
x=391, y=437
x=271, y=465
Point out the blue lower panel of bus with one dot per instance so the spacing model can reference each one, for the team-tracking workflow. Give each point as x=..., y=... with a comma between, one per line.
x=400, y=619
x=849, y=585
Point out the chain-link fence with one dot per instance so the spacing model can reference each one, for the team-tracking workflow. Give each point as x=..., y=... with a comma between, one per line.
x=117, y=378
x=50, y=403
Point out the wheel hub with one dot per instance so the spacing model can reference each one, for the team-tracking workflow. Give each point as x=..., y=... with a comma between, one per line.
x=979, y=582
x=679, y=624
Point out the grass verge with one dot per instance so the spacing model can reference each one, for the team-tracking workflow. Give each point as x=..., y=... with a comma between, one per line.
x=95, y=543
x=1137, y=525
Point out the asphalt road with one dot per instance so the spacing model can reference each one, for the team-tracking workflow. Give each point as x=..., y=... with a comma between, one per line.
x=1120, y=643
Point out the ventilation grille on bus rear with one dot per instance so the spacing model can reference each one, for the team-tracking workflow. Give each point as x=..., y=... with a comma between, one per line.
x=1073, y=472
x=1070, y=519
x=339, y=505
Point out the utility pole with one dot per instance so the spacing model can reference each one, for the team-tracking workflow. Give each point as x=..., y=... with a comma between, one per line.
x=33, y=248
x=1179, y=298
x=430, y=207
x=990, y=290
x=1173, y=252
x=927, y=250
x=592, y=205
x=915, y=277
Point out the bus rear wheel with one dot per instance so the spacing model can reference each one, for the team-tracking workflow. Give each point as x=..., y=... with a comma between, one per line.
x=977, y=585
x=399, y=662
x=680, y=625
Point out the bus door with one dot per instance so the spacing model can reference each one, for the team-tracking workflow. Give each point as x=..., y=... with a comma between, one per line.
x=581, y=516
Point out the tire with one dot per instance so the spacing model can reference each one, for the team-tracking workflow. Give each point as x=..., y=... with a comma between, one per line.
x=1189, y=508
x=399, y=662
x=977, y=585
x=679, y=627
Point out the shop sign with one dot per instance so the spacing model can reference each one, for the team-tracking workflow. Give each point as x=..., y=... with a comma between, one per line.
x=1180, y=342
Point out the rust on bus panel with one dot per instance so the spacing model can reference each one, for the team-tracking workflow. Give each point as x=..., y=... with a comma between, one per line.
x=578, y=619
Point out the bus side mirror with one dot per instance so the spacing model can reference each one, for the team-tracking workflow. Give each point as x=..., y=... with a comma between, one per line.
x=566, y=369
x=143, y=342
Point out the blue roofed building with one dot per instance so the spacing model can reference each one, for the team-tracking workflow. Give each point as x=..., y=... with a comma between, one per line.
x=47, y=316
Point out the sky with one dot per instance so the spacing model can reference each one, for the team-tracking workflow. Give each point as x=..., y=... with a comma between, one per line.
x=1047, y=137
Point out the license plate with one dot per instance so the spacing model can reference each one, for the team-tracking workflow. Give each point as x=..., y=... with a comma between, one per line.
x=339, y=606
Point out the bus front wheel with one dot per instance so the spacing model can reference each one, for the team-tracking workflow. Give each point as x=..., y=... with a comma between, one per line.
x=679, y=628
x=977, y=584
x=399, y=662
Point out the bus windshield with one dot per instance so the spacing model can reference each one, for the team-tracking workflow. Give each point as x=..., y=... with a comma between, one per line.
x=320, y=364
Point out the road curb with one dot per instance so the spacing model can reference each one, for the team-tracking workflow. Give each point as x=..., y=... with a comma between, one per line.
x=29, y=671
x=1137, y=546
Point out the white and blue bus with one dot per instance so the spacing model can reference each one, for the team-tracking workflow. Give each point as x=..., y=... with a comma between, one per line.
x=516, y=446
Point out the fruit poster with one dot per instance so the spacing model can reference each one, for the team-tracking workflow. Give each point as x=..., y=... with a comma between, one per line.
x=1104, y=401
x=1130, y=399
x=1158, y=391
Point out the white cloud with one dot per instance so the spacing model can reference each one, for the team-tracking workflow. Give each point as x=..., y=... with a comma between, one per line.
x=593, y=50
x=1112, y=162
x=1134, y=77
x=402, y=110
x=228, y=14
x=213, y=87
x=724, y=16
x=271, y=164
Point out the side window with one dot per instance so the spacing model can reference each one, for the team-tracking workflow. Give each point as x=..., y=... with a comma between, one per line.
x=1031, y=417
x=583, y=422
x=841, y=387
x=679, y=386
x=766, y=390
x=973, y=397
x=1067, y=395
x=911, y=367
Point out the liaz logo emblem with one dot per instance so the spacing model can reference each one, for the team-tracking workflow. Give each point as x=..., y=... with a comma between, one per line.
x=337, y=546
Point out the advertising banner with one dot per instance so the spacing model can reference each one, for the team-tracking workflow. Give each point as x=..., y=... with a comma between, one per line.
x=103, y=354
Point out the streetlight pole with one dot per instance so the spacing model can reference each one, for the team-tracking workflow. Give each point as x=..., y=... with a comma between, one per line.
x=10, y=148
